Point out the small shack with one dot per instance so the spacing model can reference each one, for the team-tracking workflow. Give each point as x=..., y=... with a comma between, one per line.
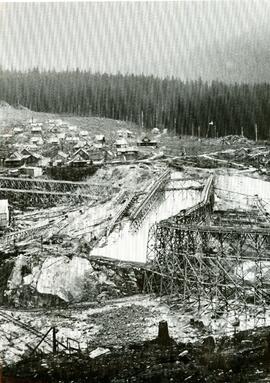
x=100, y=139
x=146, y=141
x=17, y=130
x=155, y=131
x=83, y=133
x=14, y=160
x=36, y=130
x=128, y=154
x=129, y=134
x=120, y=133
x=31, y=171
x=53, y=140
x=121, y=143
x=4, y=213
x=36, y=141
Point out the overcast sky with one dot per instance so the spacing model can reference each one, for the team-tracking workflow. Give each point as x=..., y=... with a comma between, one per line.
x=160, y=38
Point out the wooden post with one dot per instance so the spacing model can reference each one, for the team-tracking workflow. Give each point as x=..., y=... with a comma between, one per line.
x=199, y=131
x=256, y=132
x=192, y=129
x=163, y=332
x=54, y=331
x=242, y=131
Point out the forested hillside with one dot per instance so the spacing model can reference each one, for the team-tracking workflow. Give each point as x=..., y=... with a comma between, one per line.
x=184, y=107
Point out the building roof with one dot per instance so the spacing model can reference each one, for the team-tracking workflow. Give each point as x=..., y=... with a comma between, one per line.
x=78, y=158
x=80, y=150
x=127, y=150
x=122, y=141
x=30, y=167
x=15, y=156
x=62, y=154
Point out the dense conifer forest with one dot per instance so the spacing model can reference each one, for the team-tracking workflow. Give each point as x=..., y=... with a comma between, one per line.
x=182, y=107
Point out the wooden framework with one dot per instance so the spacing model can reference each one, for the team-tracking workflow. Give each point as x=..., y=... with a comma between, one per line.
x=34, y=192
x=150, y=200
x=223, y=265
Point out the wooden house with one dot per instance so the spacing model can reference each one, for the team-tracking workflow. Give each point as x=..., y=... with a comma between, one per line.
x=36, y=130
x=127, y=154
x=78, y=161
x=14, y=160
x=121, y=143
x=29, y=157
x=37, y=141
x=53, y=140
x=82, y=152
x=59, y=159
x=83, y=133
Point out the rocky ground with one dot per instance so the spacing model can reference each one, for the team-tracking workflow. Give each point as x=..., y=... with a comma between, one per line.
x=99, y=324
x=243, y=358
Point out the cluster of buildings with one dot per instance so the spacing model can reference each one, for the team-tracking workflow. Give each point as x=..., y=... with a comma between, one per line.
x=34, y=146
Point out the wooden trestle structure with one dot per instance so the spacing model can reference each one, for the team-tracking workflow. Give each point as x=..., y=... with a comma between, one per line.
x=212, y=257
x=51, y=192
x=150, y=200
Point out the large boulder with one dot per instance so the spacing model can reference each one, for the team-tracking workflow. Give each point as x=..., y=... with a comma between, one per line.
x=63, y=277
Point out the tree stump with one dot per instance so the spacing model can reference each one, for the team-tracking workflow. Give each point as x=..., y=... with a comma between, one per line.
x=163, y=333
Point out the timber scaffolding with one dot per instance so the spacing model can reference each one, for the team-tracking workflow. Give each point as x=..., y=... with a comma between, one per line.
x=33, y=232
x=150, y=200
x=212, y=258
x=50, y=192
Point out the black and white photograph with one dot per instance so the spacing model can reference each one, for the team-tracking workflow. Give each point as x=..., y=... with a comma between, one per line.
x=135, y=191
